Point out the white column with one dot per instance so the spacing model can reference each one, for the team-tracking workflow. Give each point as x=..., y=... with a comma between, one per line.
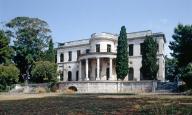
x=86, y=70
x=110, y=68
x=98, y=69
x=80, y=79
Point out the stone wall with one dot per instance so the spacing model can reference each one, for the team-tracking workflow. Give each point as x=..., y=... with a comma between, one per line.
x=111, y=86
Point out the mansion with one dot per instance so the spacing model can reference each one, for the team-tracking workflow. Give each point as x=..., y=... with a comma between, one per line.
x=94, y=59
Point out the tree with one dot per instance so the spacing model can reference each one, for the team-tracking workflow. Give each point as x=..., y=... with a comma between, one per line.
x=31, y=39
x=44, y=71
x=5, y=50
x=171, y=71
x=50, y=53
x=182, y=44
x=8, y=76
x=149, y=58
x=122, y=55
x=187, y=76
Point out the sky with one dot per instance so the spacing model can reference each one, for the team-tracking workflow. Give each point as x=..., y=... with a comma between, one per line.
x=77, y=19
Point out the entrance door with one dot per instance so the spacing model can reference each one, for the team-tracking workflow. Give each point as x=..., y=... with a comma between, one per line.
x=107, y=73
x=131, y=73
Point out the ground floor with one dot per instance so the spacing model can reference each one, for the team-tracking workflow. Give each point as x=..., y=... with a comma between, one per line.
x=94, y=68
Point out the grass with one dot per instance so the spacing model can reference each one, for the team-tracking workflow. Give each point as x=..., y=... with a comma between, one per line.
x=46, y=104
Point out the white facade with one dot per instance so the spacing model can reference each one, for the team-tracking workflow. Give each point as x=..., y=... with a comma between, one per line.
x=94, y=58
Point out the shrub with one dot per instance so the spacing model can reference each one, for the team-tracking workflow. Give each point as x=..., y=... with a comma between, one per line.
x=53, y=86
x=44, y=71
x=8, y=76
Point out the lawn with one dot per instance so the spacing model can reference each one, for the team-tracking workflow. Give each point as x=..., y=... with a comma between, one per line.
x=56, y=104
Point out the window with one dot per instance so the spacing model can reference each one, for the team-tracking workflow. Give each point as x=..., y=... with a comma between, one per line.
x=108, y=47
x=87, y=51
x=61, y=57
x=61, y=76
x=70, y=55
x=141, y=48
x=97, y=47
x=131, y=50
x=69, y=76
x=78, y=53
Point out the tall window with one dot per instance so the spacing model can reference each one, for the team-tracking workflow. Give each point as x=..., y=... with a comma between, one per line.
x=87, y=51
x=70, y=55
x=97, y=47
x=61, y=57
x=131, y=50
x=108, y=47
x=141, y=48
x=61, y=76
x=78, y=53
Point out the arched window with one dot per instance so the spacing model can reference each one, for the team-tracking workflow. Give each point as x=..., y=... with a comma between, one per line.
x=61, y=57
x=131, y=74
x=77, y=75
x=69, y=76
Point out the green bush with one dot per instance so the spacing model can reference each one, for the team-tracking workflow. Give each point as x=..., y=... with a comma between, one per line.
x=53, y=86
x=8, y=76
x=44, y=71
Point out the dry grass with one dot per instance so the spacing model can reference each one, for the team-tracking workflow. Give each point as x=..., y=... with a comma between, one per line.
x=59, y=103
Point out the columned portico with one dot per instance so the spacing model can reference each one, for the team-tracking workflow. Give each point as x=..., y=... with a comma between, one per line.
x=98, y=69
x=80, y=78
x=86, y=70
x=110, y=68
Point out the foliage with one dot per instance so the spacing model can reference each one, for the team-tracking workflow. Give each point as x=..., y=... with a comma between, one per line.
x=122, y=55
x=187, y=76
x=149, y=59
x=171, y=69
x=50, y=53
x=44, y=71
x=8, y=76
x=5, y=50
x=182, y=44
x=30, y=40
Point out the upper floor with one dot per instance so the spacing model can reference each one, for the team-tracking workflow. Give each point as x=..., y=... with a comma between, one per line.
x=100, y=43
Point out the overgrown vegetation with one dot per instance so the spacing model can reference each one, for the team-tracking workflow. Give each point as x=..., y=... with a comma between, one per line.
x=8, y=76
x=44, y=71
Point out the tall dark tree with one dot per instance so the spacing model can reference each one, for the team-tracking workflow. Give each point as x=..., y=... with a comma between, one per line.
x=50, y=54
x=31, y=37
x=171, y=70
x=5, y=50
x=149, y=59
x=122, y=55
x=182, y=44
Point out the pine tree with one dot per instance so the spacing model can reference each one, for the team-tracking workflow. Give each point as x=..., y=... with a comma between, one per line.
x=122, y=55
x=51, y=52
x=149, y=59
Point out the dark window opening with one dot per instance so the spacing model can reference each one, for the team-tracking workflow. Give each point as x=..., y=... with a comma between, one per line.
x=87, y=51
x=70, y=56
x=61, y=57
x=108, y=48
x=61, y=76
x=131, y=73
x=97, y=47
x=78, y=53
x=77, y=75
x=131, y=50
x=69, y=76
